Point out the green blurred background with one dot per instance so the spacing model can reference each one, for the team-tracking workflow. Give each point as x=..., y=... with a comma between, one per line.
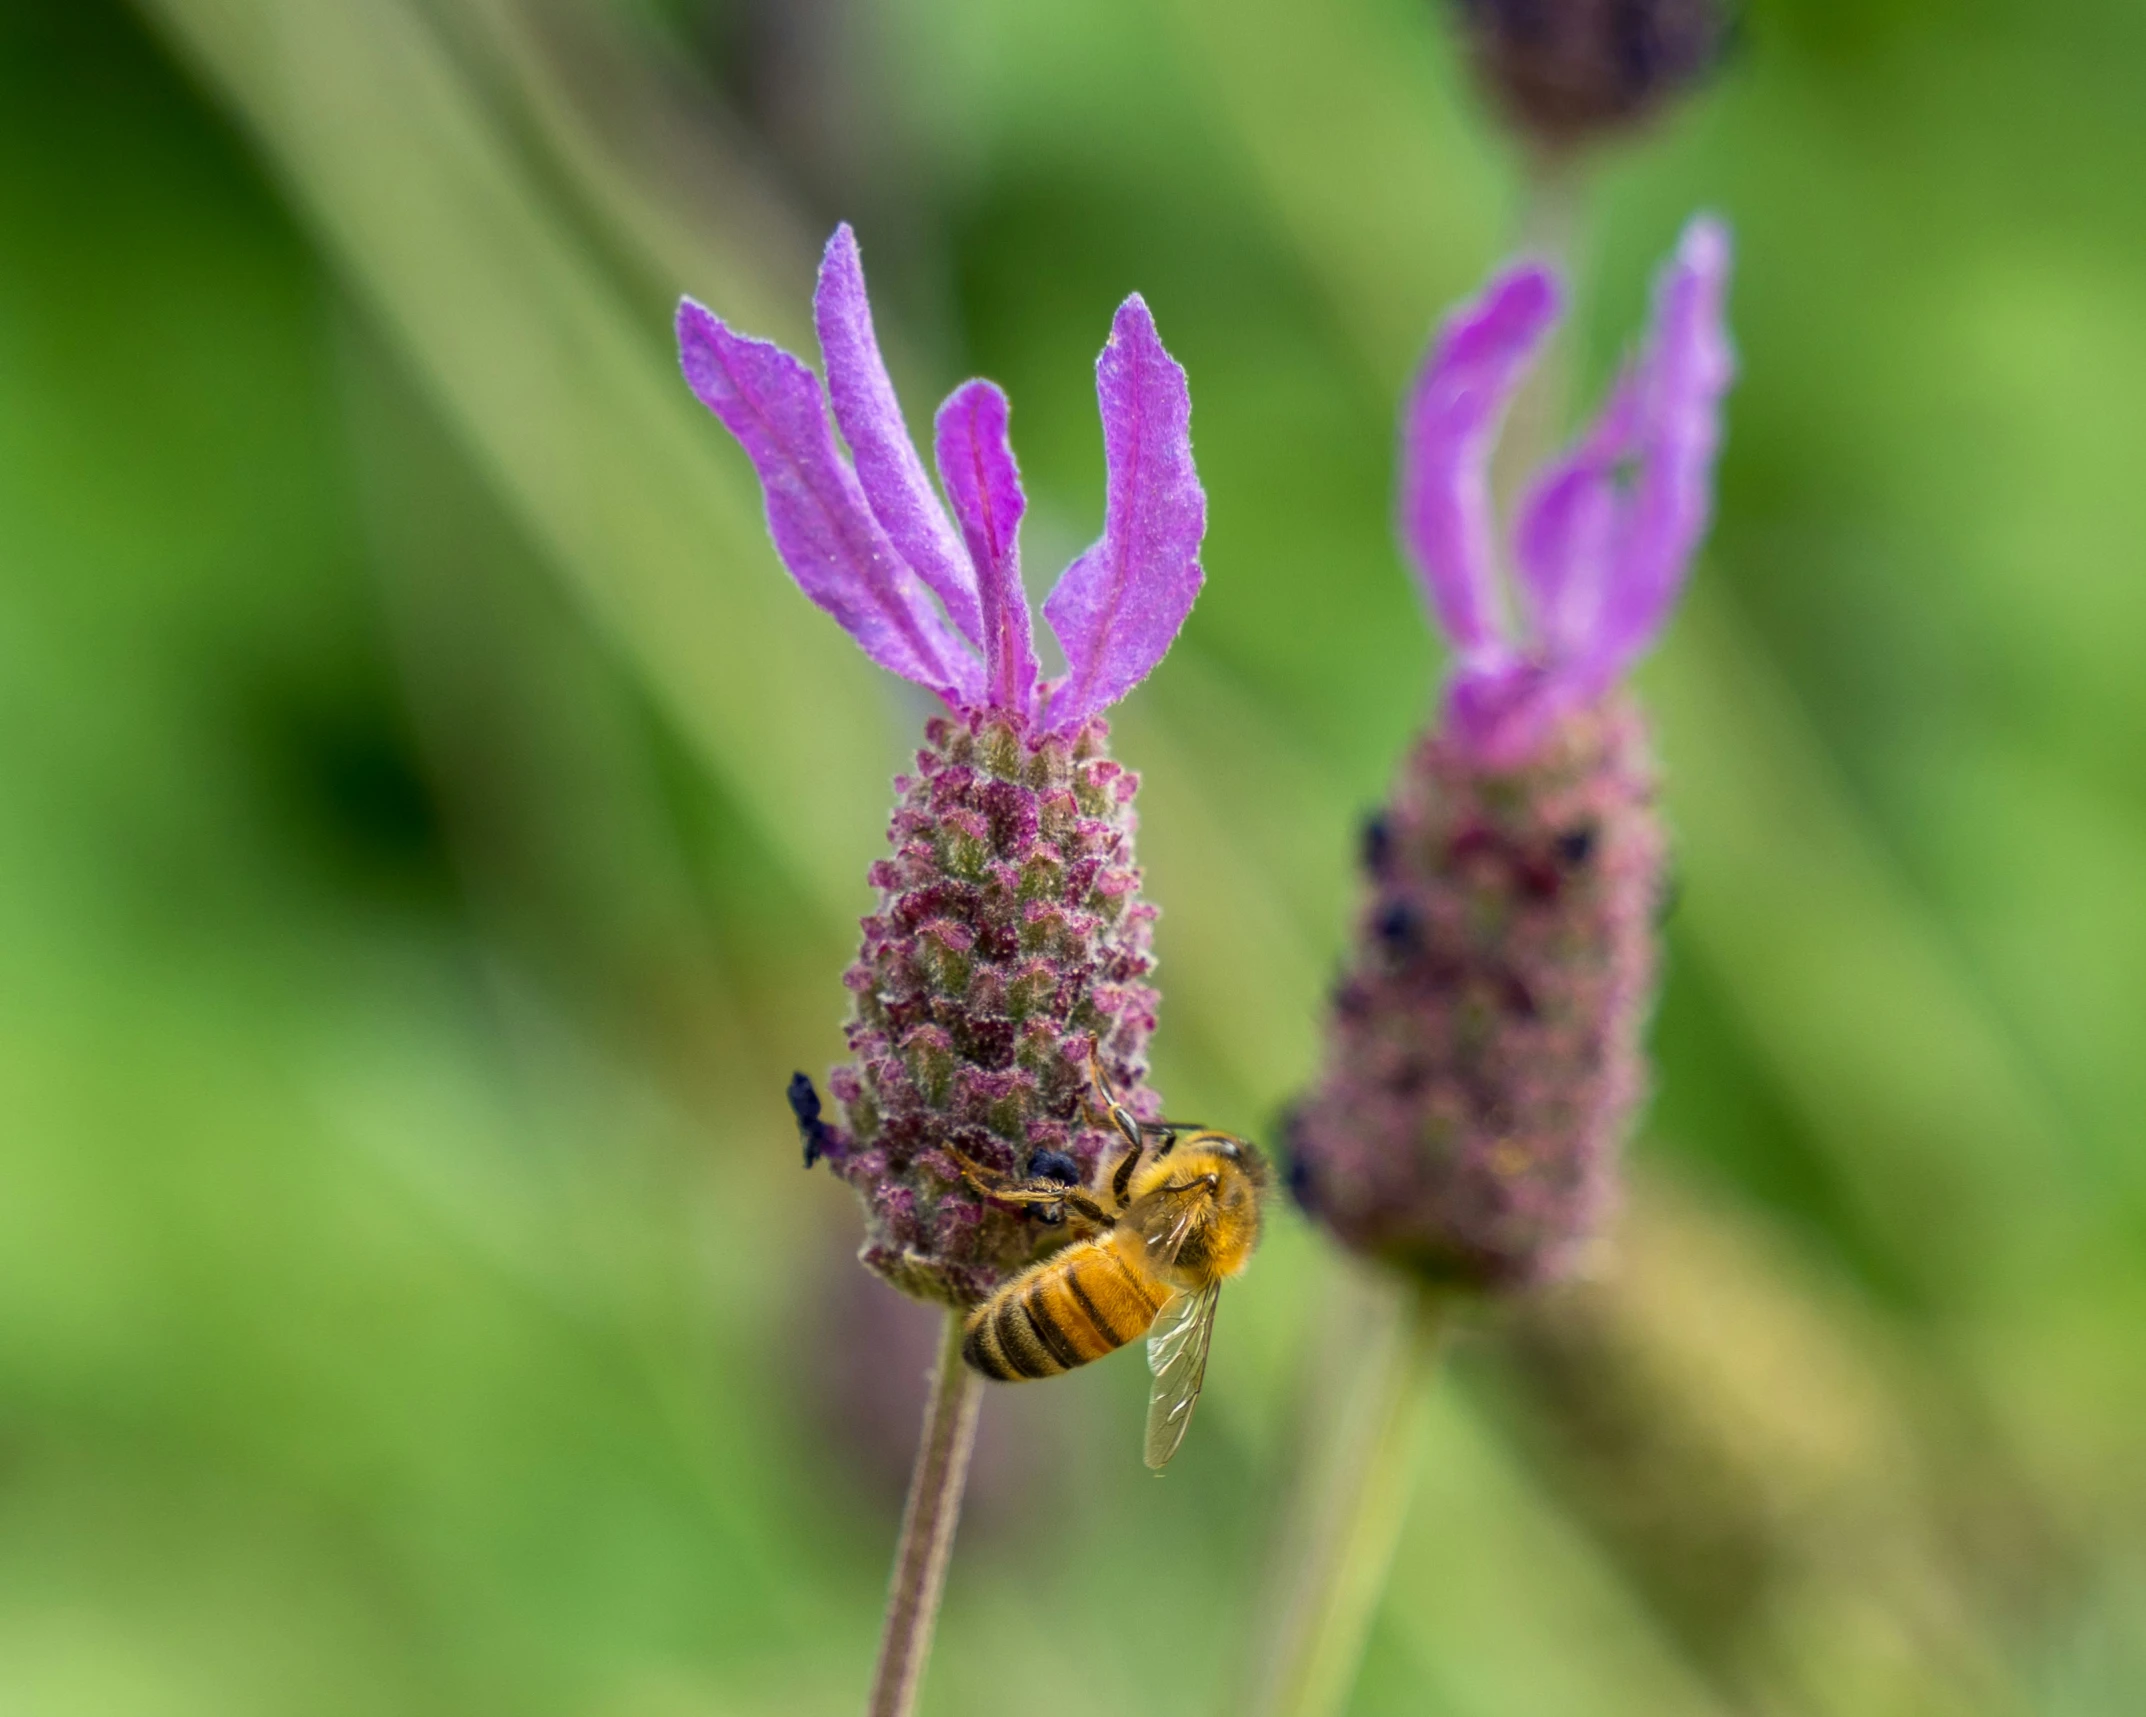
x=431, y=830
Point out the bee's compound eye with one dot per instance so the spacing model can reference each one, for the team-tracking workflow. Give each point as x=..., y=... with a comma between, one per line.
x=1229, y=1148
x=1054, y=1165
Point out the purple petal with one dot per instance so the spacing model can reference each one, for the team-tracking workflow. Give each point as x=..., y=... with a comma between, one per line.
x=870, y=419
x=1116, y=609
x=1680, y=381
x=1451, y=423
x=1570, y=526
x=983, y=483
x=816, y=512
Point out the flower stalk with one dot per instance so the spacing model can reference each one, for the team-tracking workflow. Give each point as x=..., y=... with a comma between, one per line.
x=1005, y=964
x=1485, y=1047
x=1339, y=1543
x=929, y=1517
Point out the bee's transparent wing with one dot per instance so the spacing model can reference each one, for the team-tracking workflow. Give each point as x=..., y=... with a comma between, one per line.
x=1165, y=1243
x=1177, y=1355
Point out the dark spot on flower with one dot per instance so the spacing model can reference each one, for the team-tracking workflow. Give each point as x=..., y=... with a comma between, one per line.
x=1477, y=840
x=1396, y=925
x=1537, y=880
x=1296, y=1166
x=952, y=900
x=984, y=1040
x=1054, y=1165
x=1011, y=812
x=904, y=1012
x=1297, y=1177
x=1442, y=974
x=1378, y=844
x=805, y=1105
x=1491, y=1106
x=1577, y=844
x=1519, y=1000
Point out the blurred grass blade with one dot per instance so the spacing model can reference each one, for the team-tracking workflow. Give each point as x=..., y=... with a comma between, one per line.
x=650, y=157
x=575, y=412
x=1851, y=994
x=1351, y=104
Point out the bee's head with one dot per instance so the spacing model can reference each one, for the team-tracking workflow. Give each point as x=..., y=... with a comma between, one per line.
x=1237, y=1166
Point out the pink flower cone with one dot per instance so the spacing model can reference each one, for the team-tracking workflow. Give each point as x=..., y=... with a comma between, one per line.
x=1485, y=1051
x=1010, y=944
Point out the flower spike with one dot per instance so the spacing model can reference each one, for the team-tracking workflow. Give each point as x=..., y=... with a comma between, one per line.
x=1485, y=1050
x=1009, y=948
x=1117, y=608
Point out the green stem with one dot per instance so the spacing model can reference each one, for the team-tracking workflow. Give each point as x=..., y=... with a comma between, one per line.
x=928, y=1521
x=1338, y=1545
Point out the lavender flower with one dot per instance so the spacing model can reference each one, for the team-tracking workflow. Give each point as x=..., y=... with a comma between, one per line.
x=1010, y=941
x=1483, y=1056
x=1566, y=71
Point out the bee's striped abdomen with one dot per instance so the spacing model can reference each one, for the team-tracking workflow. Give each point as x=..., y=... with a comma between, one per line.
x=1073, y=1307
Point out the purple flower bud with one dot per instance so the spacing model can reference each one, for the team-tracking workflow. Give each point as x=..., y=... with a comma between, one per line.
x=1010, y=944
x=1484, y=1051
x=1566, y=71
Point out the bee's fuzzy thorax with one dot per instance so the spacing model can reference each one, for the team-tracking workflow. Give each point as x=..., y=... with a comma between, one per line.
x=1483, y=1056
x=1010, y=941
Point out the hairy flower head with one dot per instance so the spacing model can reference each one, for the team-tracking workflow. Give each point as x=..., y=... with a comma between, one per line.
x=1484, y=1050
x=1010, y=944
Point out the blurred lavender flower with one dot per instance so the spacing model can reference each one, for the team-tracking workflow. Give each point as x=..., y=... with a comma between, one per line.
x=1567, y=71
x=1483, y=1055
x=1010, y=943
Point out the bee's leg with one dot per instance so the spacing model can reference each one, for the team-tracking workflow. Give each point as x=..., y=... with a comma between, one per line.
x=1167, y=1131
x=993, y=1184
x=1084, y=1207
x=1021, y=1192
x=1121, y=1182
x=1054, y=1198
x=1115, y=1113
x=981, y=1179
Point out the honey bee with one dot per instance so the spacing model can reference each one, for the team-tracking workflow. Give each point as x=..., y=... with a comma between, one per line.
x=1178, y=1216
